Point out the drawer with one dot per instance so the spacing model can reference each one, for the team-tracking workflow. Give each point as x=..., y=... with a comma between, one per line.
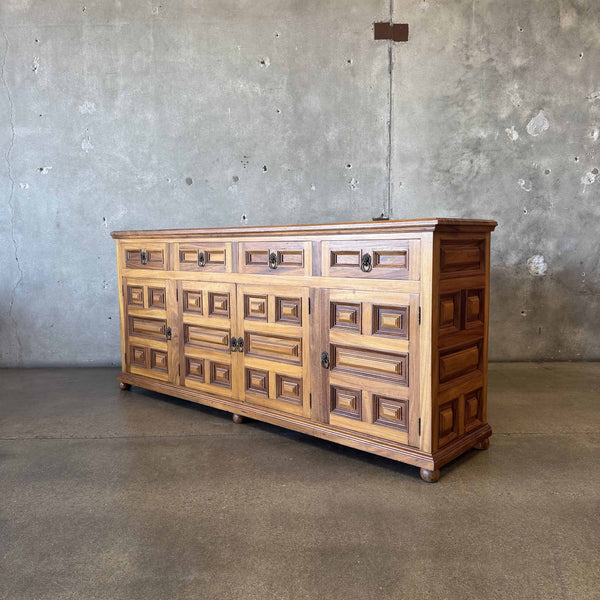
x=203, y=257
x=377, y=259
x=275, y=258
x=146, y=256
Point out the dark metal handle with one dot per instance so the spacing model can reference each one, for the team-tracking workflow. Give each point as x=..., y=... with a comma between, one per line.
x=143, y=257
x=233, y=344
x=240, y=344
x=168, y=333
x=325, y=360
x=366, y=263
x=272, y=260
x=201, y=259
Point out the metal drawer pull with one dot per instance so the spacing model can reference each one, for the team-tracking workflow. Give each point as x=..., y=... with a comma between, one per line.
x=366, y=264
x=233, y=344
x=240, y=344
x=168, y=333
x=143, y=257
x=272, y=260
x=325, y=360
x=201, y=259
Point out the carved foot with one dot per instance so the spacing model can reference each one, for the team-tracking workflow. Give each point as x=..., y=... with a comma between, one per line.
x=483, y=444
x=430, y=476
x=124, y=386
x=238, y=419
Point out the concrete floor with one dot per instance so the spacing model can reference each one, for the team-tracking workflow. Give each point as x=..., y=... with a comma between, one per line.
x=125, y=495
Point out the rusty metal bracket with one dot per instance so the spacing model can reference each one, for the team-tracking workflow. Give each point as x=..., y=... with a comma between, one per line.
x=397, y=32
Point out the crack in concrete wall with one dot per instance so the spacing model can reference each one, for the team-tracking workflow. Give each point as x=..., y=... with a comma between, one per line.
x=11, y=197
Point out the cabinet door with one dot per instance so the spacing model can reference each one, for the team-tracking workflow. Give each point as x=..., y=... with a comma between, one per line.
x=206, y=327
x=371, y=381
x=150, y=347
x=273, y=324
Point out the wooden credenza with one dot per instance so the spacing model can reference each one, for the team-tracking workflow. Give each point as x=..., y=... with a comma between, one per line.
x=372, y=335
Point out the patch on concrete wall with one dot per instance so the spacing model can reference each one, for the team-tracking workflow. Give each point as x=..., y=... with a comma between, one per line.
x=525, y=185
x=44, y=170
x=537, y=265
x=86, y=144
x=87, y=108
x=590, y=177
x=594, y=96
x=512, y=133
x=538, y=124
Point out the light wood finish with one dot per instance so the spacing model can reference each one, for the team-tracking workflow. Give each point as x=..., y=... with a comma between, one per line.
x=239, y=319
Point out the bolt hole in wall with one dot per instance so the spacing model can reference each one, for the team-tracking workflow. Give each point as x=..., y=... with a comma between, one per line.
x=189, y=180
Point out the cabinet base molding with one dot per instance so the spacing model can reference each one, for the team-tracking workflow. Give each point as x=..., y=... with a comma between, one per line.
x=417, y=458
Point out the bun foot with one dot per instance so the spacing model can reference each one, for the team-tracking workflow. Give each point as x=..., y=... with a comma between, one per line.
x=430, y=476
x=483, y=444
x=238, y=419
x=124, y=386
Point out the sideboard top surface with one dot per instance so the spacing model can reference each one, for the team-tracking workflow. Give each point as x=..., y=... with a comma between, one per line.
x=416, y=225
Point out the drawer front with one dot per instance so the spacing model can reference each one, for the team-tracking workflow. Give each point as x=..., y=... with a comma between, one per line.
x=203, y=257
x=146, y=256
x=376, y=259
x=275, y=258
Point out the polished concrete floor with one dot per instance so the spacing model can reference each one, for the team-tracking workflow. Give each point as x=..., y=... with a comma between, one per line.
x=124, y=495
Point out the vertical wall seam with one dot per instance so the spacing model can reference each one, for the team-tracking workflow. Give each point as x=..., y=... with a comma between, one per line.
x=388, y=208
x=11, y=196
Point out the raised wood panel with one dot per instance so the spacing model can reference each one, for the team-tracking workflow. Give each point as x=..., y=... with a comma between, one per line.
x=345, y=316
x=370, y=363
x=474, y=308
x=142, y=327
x=192, y=301
x=346, y=402
x=255, y=307
x=275, y=258
x=220, y=374
x=194, y=368
x=138, y=356
x=390, y=321
x=202, y=336
x=159, y=360
x=146, y=255
x=454, y=363
x=449, y=313
x=157, y=297
x=218, y=304
x=288, y=310
x=203, y=257
x=461, y=257
x=135, y=295
x=288, y=389
x=273, y=347
x=448, y=422
x=257, y=381
x=473, y=409
x=390, y=412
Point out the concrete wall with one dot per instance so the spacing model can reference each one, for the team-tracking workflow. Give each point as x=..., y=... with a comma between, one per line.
x=187, y=113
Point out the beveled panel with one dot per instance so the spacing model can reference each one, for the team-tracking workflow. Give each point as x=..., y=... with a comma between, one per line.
x=135, y=295
x=194, y=368
x=391, y=412
x=447, y=422
x=155, y=258
x=159, y=360
x=391, y=259
x=257, y=381
x=257, y=257
x=346, y=402
x=290, y=258
x=288, y=388
x=157, y=297
x=345, y=316
x=390, y=321
x=274, y=347
x=215, y=256
x=154, y=329
x=370, y=363
x=188, y=257
x=344, y=258
x=449, y=313
x=461, y=256
x=133, y=258
x=288, y=310
x=202, y=336
x=220, y=374
x=473, y=409
x=255, y=307
x=459, y=362
x=192, y=301
x=137, y=356
x=218, y=304
x=474, y=308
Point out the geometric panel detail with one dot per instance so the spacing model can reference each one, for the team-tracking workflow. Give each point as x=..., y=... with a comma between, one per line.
x=257, y=381
x=290, y=258
x=218, y=304
x=345, y=316
x=201, y=336
x=370, y=363
x=255, y=307
x=155, y=259
x=135, y=295
x=194, y=368
x=448, y=422
x=220, y=374
x=288, y=310
x=473, y=308
x=138, y=356
x=346, y=402
x=391, y=259
x=390, y=412
x=473, y=410
x=274, y=347
x=215, y=257
x=159, y=360
x=154, y=329
x=156, y=297
x=289, y=388
x=344, y=258
x=192, y=301
x=257, y=257
x=449, y=317
x=461, y=256
x=455, y=363
x=390, y=321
